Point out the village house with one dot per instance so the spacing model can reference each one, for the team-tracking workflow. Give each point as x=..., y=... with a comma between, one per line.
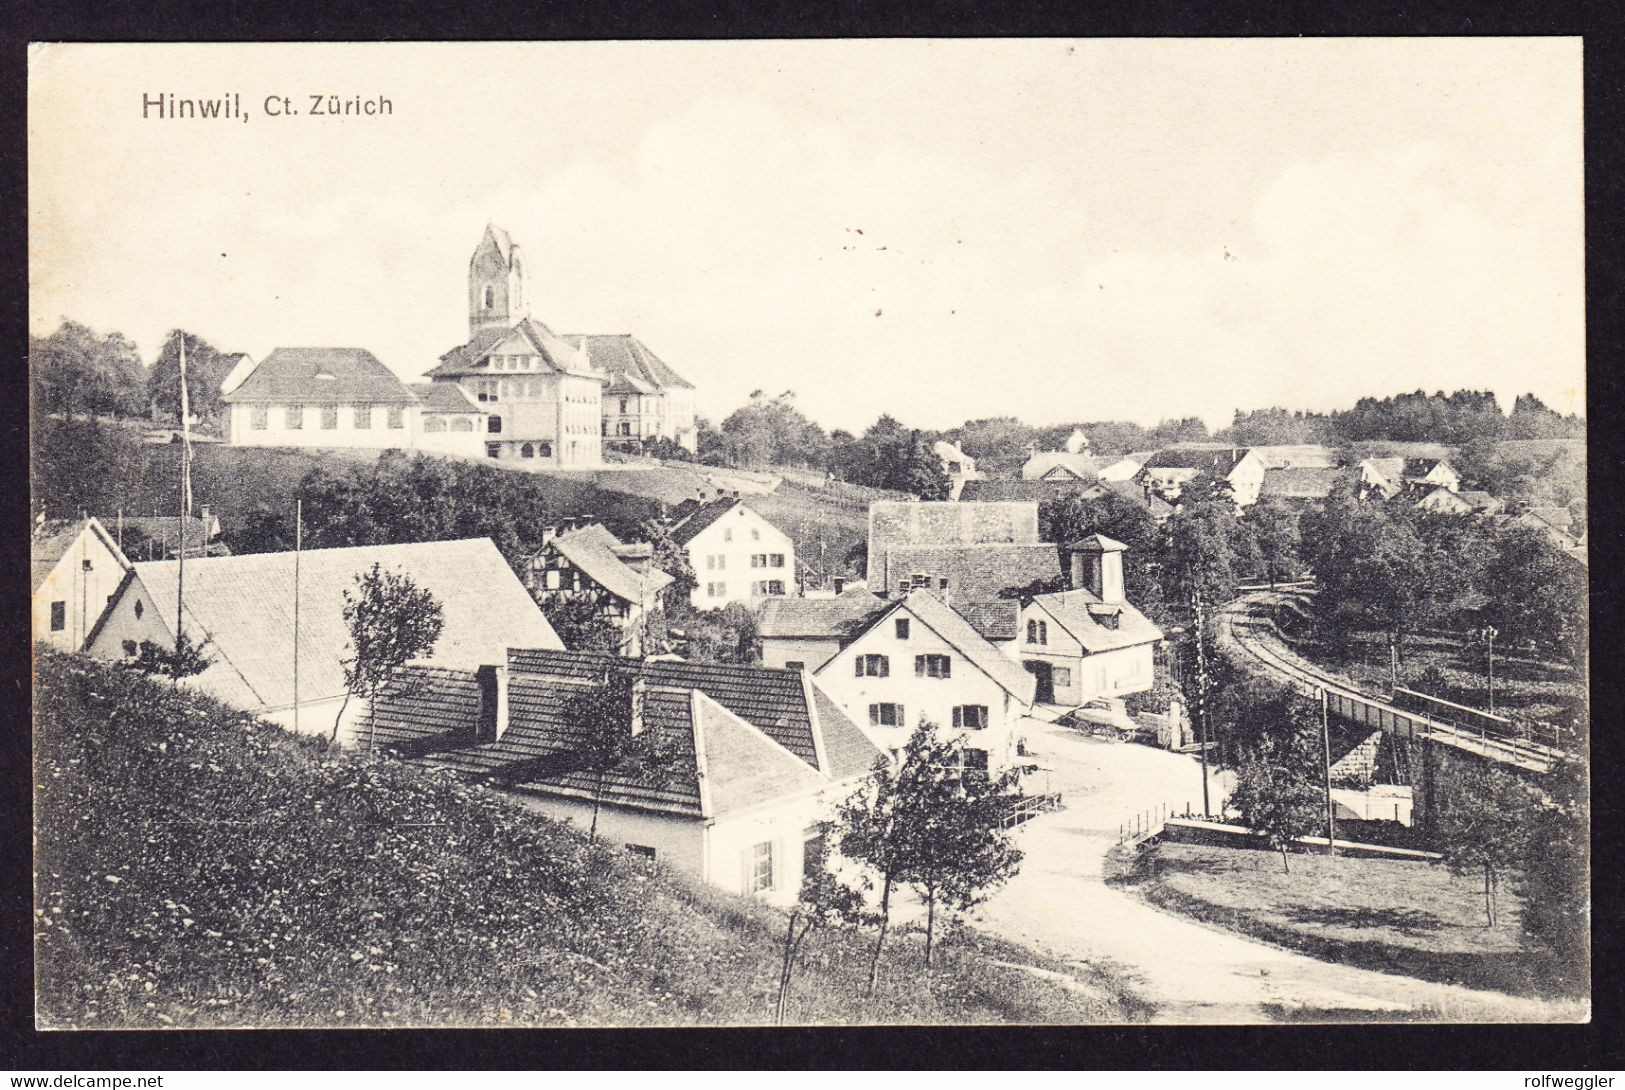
x=805, y=633
x=158, y=537
x=1448, y=501
x=241, y=610
x=541, y=396
x=1073, y=462
x=319, y=397
x=587, y=561
x=758, y=756
x=737, y=555
x=450, y=420
x=918, y=660
x=76, y=568
x=1299, y=485
x=645, y=398
x=1169, y=471
x=1126, y=468
x=1088, y=645
x=1388, y=477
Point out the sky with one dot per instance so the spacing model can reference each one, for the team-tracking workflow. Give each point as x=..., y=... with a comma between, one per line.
x=942, y=230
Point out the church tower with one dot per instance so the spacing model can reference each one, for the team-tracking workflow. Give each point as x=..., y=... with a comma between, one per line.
x=496, y=283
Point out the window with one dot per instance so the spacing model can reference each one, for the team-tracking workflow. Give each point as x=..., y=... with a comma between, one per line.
x=1061, y=677
x=970, y=717
x=760, y=868
x=527, y=451
x=259, y=418
x=493, y=450
x=552, y=580
x=775, y=560
x=396, y=417
x=626, y=429
x=544, y=450
x=86, y=565
x=130, y=648
x=768, y=587
x=716, y=590
x=59, y=616
x=1107, y=620
x=872, y=666
x=430, y=423
x=1038, y=632
x=919, y=579
x=812, y=852
x=623, y=404
x=139, y=609
x=975, y=762
x=885, y=715
x=490, y=297
x=758, y=560
x=330, y=417
x=493, y=425
x=641, y=849
x=293, y=417
x=462, y=423
x=755, y=534
x=792, y=664
x=902, y=628
x=363, y=418
x=932, y=666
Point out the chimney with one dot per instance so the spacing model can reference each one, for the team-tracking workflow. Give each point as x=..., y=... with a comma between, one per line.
x=1097, y=566
x=493, y=716
x=549, y=532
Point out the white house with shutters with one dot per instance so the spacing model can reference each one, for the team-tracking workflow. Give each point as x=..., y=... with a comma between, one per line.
x=920, y=660
x=738, y=556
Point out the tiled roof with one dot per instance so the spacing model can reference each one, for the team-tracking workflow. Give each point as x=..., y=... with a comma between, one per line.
x=699, y=518
x=471, y=358
x=444, y=397
x=1558, y=518
x=1299, y=482
x=995, y=619
x=1081, y=466
x=500, y=237
x=433, y=708
x=51, y=540
x=621, y=354
x=1076, y=611
x=848, y=751
x=962, y=636
x=1038, y=491
x=321, y=375
x=1296, y=456
x=593, y=550
x=743, y=766
x=1224, y=459
x=982, y=579
x=899, y=523
x=840, y=617
x=244, y=606
x=1484, y=501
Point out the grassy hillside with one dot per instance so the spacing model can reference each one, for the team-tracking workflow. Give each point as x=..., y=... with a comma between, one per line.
x=198, y=867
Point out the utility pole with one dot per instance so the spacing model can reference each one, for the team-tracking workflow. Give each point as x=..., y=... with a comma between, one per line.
x=186, y=509
x=298, y=545
x=1326, y=755
x=1201, y=696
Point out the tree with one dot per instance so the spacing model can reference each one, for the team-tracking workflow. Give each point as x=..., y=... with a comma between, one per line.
x=1209, y=548
x=1277, y=793
x=927, y=823
x=185, y=659
x=580, y=624
x=74, y=370
x=614, y=741
x=1540, y=594
x=206, y=369
x=1483, y=826
x=391, y=621
x=671, y=556
x=1556, y=870
x=825, y=903
x=1274, y=526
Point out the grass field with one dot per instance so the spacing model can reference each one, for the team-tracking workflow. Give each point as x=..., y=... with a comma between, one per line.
x=198, y=867
x=1417, y=919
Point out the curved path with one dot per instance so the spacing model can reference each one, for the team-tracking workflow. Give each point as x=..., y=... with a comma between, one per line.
x=1061, y=904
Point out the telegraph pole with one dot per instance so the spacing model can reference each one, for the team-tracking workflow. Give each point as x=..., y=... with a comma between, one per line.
x=1201, y=694
x=298, y=545
x=1326, y=754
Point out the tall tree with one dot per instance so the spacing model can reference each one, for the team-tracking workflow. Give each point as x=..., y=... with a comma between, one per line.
x=392, y=621
x=76, y=371
x=1274, y=526
x=206, y=369
x=1277, y=792
x=1484, y=826
x=615, y=742
x=1556, y=869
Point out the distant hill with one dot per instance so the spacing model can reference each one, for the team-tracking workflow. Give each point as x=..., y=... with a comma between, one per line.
x=198, y=867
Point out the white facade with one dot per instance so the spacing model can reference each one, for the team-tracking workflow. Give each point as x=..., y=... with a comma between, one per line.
x=631, y=417
x=322, y=424
x=884, y=681
x=739, y=558
x=79, y=587
x=1077, y=677
x=534, y=414
x=798, y=652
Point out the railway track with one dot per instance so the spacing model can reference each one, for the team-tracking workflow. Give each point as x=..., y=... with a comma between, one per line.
x=1240, y=624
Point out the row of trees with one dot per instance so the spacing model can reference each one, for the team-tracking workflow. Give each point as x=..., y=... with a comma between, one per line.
x=76, y=371
x=1396, y=568
x=1454, y=418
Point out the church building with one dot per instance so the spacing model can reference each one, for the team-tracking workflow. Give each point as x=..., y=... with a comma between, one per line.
x=541, y=396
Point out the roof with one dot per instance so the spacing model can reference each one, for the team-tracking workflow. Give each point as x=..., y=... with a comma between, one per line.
x=1224, y=459
x=695, y=520
x=894, y=522
x=503, y=243
x=52, y=539
x=1033, y=491
x=1421, y=467
x=165, y=532
x=1299, y=482
x=1045, y=462
x=1076, y=611
x=1558, y=518
x=982, y=579
x=471, y=358
x=1099, y=543
x=1483, y=501
x=841, y=617
x=779, y=702
x=444, y=397
x=346, y=375
x=622, y=355
x=243, y=605
x=593, y=550
x=1297, y=456
x=962, y=636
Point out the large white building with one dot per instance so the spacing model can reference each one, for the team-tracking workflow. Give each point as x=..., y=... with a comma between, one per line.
x=320, y=397
x=737, y=555
x=645, y=399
